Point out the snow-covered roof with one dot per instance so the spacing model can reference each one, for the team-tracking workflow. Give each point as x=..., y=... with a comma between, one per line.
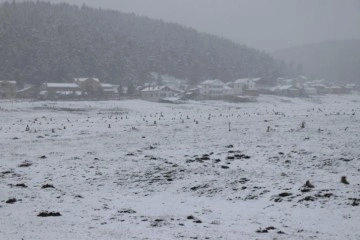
x=7, y=81
x=107, y=85
x=193, y=89
x=288, y=80
x=242, y=80
x=24, y=89
x=286, y=87
x=62, y=85
x=84, y=79
x=214, y=82
x=246, y=80
x=227, y=87
x=68, y=92
x=110, y=90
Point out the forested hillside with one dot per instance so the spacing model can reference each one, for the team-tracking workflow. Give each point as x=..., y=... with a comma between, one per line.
x=335, y=61
x=46, y=42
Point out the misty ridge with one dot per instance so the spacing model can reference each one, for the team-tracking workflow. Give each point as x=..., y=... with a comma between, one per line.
x=41, y=42
x=335, y=61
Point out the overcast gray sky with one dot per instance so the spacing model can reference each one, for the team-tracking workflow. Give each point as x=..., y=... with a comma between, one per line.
x=265, y=24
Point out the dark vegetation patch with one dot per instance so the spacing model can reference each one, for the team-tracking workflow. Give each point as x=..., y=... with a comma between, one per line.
x=49, y=214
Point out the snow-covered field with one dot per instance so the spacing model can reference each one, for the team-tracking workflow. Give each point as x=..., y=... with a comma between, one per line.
x=140, y=170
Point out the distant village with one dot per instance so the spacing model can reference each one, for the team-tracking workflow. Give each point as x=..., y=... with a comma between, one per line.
x=173, y=90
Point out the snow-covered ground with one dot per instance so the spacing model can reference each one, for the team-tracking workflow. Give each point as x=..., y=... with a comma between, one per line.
x=140, y=170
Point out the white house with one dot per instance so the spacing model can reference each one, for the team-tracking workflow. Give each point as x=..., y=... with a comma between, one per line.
x=213, y=88
x=228, y=91
x=288, y=91
x=158, y=92
x=59, y=90
x=109, y=90
x=244, y=84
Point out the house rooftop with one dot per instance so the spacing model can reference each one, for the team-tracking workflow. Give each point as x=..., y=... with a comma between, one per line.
x=242, y=80
x=215, y=82
x=107, y=85
x=110, y=90
x=286, y=87
x=24, y=89
x=62, y=85
x=84, y=79
x=8, y=81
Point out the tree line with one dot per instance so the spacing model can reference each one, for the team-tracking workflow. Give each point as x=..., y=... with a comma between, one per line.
x=41, y=42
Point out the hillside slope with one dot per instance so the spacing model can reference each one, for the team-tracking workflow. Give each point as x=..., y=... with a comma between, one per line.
x=45, y=42
x=337, y=61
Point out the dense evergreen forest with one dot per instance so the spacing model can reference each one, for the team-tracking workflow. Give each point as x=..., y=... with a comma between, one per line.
x=41, y=42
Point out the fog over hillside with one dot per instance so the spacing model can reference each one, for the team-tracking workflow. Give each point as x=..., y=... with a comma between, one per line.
x=47, y=42
x=336, y=61
x=269, y=25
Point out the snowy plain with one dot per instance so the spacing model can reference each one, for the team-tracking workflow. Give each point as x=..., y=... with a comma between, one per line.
x=201, y=170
